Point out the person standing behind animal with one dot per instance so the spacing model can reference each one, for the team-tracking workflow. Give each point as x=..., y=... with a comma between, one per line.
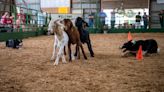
x=112, y=19
x=4, y=18
x=91, y=20
x=145, y=19
x=161, y=18
x=138, y=21
x=22, y=15
x=3, y=22
x=10, y=23
x=102, y=16
x=19, y=24
x=6, y=21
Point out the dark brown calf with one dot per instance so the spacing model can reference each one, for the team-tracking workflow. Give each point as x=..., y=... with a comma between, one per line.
x=74, y=38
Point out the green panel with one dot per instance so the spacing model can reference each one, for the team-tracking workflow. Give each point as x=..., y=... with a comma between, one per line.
x=20, y=35
x=91, y=30
x=13, y=35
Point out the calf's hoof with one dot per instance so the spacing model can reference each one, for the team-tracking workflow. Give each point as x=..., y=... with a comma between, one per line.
x=55, y=64
x=52, y=58
x=78, y=57
x=85, y=58
x=70, y=60
x=64, y=62
x=75, y=54
x=92, y=55
x=73, y=57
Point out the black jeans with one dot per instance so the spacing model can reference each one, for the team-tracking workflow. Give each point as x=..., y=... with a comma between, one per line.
x=145, y=24
x=112, y=24
x=162, y=23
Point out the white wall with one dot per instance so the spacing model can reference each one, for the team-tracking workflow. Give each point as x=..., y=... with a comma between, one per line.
x=55, y=3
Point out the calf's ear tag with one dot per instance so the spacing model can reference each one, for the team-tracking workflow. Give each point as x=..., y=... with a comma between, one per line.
x=134, y=42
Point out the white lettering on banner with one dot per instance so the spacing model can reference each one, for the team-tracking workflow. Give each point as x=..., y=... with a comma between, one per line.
x=65, y=16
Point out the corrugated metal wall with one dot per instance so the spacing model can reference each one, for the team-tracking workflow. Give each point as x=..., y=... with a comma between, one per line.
x=154, y=11
x=128, y=4
x=5, y=5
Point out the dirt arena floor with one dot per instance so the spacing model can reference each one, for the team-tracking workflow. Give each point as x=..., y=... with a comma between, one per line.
x=29, y=69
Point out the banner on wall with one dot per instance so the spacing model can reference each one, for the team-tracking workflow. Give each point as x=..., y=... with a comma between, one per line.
x=56, y=6
x=160, y=1
x=63, y=10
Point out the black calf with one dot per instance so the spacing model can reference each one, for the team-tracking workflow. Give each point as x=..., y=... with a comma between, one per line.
x=84, y=34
